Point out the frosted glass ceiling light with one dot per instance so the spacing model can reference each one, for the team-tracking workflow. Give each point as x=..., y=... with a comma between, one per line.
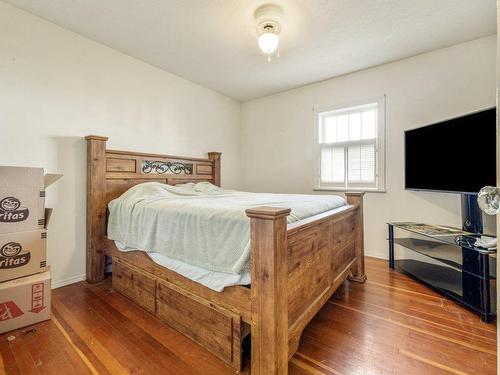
x=268, y=19
x=268, y=41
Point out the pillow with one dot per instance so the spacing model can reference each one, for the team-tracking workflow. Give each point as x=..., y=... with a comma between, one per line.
x=187, y=185
x=199, y=187
x=205, y=187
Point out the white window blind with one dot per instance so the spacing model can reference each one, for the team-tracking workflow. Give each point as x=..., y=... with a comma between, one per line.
x=361, y=163
x=349, y=147
x=332, y=164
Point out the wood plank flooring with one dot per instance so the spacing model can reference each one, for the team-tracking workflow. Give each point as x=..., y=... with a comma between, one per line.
x=389, y=325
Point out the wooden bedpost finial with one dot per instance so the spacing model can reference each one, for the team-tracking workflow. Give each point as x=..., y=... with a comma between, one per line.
x=213, y=155
x=267, y=213
x=96, y=138
x=354, y=198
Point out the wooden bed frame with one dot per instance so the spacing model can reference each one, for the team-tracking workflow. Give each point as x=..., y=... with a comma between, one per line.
x=295, y=268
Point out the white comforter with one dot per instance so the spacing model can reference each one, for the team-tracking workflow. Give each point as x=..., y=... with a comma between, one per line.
x=200, y=224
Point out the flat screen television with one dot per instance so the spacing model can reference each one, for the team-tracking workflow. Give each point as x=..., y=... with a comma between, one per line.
x=457, y=155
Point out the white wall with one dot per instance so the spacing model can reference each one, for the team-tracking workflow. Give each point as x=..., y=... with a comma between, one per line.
x=277, y=131
x=56, y=87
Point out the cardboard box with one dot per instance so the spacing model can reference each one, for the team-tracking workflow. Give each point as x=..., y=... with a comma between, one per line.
x=22, y=198
x=24, y=301
x=22, y=253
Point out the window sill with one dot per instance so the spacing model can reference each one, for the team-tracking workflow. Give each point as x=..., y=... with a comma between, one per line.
x=347, y=190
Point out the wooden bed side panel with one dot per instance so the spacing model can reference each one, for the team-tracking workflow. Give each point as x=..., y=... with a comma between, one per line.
x=310, y=266
x=235, y=298
x=219, y=330
x=209, y=325
x=320, y=258
x=135, y=284
x=316, y=254
x=344, y=237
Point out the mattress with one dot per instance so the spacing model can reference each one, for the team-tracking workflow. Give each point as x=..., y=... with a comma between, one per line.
x=199, y=230
x=211, y=279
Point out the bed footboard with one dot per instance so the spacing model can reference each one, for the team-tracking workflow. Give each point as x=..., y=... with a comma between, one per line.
x=295, y=270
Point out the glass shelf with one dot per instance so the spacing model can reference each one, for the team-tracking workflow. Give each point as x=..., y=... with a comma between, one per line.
x=452, y=255
x=447, y=260
x=458, y=238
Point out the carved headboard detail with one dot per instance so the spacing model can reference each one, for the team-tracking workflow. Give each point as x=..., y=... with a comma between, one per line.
x=111, y=172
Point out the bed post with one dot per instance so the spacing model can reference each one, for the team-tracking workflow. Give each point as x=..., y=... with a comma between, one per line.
x=358, y=271
x=269, y=310
x=215, y=157
x=96, y=209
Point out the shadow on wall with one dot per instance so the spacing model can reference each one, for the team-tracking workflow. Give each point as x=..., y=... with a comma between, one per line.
x=67, y=231
x=451, y=203
x=446, y=201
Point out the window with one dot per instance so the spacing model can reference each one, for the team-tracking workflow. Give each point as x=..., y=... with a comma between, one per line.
x=351, y=147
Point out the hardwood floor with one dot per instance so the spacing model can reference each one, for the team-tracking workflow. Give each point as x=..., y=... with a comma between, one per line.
x=389, y=325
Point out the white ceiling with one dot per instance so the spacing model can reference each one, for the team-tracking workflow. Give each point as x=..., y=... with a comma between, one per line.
x=213, y=42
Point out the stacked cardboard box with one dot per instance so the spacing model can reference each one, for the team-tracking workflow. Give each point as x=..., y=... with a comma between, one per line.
x=24, y=275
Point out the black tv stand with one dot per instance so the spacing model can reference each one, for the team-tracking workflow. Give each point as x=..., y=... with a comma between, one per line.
x=447, y=260
x=471, y=214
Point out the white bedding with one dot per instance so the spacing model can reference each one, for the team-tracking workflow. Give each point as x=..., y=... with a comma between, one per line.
x=214, y=280
x=200, y=230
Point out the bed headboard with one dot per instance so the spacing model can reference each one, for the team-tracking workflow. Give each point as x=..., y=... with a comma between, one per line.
x=111, y=172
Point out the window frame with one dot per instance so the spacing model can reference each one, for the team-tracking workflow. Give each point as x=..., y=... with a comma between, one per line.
x=380, y=181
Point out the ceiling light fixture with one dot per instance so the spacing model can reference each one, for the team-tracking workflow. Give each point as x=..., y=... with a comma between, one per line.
x=268, y=28
x=268, y=40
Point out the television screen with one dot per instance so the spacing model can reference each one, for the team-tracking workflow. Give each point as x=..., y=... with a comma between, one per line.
x=457, y=155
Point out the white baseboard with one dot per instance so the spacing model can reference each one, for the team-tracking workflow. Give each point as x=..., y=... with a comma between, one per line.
x=68, y=281
x=377, y=255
